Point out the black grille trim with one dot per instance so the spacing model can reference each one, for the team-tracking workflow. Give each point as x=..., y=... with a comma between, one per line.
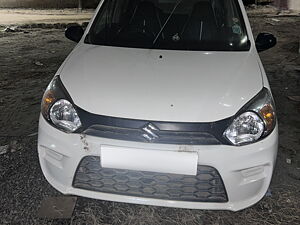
x=165, y=137
x=206, y=186
x=168, y=132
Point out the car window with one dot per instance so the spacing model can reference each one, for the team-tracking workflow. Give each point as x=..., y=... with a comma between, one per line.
x=215, y=25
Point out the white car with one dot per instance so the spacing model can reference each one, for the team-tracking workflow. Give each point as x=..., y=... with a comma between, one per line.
x=162, y=102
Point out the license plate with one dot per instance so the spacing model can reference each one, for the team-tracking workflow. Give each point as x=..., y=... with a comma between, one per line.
x=149, y=160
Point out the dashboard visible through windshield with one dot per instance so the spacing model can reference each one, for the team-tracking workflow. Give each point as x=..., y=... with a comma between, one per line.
x=208, y=25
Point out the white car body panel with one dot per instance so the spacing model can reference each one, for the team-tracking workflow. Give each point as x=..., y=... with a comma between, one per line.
x=182, y=86
x=212, y=85
x=246, y=170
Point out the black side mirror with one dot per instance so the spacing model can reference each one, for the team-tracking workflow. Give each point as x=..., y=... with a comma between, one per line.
x=265, y=41
x=74, y=33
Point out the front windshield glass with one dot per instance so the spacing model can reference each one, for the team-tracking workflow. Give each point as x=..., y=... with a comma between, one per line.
x=210, y=25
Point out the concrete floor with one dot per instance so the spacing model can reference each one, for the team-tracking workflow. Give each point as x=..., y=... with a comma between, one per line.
x=27, y=16
x=29, y=60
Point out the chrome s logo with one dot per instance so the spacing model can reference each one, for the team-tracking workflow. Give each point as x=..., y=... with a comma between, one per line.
x=149, y=132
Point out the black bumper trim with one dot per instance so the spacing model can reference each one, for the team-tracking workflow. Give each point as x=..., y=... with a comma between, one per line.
x=206, y=186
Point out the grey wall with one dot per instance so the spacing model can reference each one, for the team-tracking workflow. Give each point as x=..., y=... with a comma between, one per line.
x=47, y=3
x=288, y=4
x=294, y=4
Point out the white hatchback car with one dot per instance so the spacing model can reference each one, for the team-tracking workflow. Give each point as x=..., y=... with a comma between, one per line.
x=162, y=102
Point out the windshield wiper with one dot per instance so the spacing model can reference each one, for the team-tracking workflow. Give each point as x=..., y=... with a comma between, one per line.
x=163, y=27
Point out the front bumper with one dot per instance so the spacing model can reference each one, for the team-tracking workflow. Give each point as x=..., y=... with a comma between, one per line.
x=246, y=170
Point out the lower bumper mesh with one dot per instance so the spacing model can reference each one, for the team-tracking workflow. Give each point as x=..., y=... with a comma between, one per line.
x=206, y=186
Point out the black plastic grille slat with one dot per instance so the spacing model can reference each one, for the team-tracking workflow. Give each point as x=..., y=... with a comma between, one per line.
x=206, y=186
x=165, y=137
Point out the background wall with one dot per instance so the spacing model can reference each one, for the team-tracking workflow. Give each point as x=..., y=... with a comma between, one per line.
x=294, y=4
x=47, y=3
x=284, y=4
x=281, y=4
x=288, y=4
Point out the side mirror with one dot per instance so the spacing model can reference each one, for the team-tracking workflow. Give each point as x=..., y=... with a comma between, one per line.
x=74, y=33
x=265, y=41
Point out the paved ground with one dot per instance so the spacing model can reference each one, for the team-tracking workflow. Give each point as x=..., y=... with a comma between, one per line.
x=27, y=63
x=27, y=16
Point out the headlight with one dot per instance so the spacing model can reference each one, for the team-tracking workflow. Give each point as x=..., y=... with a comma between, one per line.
x=64, y=116
x=57, y=107
x=256, y=120
x=246, y=128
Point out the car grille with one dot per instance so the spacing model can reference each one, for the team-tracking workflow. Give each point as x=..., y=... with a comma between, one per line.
x=163, y=137
x=206, y=186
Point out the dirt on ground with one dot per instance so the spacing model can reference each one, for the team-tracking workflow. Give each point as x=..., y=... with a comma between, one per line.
x=28, y=60
x=27, y=16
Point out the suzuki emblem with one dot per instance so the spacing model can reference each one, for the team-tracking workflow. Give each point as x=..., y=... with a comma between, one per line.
x=149, y=132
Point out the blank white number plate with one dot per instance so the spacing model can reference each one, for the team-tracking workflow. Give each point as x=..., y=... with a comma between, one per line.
x=149, y=160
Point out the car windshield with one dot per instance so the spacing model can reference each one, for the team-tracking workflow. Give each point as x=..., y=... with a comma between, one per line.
x=210, y=25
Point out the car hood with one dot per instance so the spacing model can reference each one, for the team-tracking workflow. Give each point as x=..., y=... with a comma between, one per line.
x=161, y=85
